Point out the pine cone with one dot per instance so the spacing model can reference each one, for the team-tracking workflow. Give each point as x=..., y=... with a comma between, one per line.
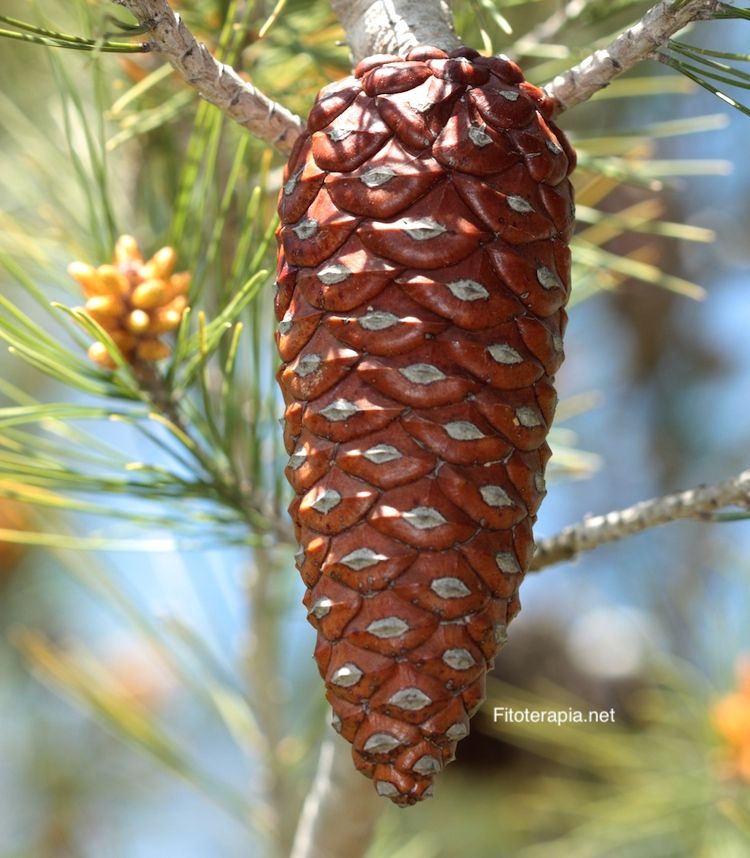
x=423, y=270
x=134, y=301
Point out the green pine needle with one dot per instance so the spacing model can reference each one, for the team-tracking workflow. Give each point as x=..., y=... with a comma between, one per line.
x=53, y=39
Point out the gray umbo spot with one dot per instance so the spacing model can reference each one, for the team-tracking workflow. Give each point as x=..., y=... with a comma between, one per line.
x=547, y=278
x=339, y=410
x=307, y=365
x=422, y=229
x=382, y=453
x=377, y=176
x=426, y=765
x=468, y=290
x=503, y=353
x=336, y=272
x=388, y=627
x=378, y=320
x=422, y=373
x=463, y=430
x=410, y=698
x=495, y=496
x=291, y=183
x=501, y=633
x=450, y=588
x=347, y=675
x=321, y=608
x=519, y=204
x=424, y=517
x=529, y=417
x=326, y=501
x=362, y=558
x=457, y=731
x=305, y=228
x=297, y=459
x=479, y=137
x=381, y=743
x=339, y=134
x=459, y=658
x=507, y=563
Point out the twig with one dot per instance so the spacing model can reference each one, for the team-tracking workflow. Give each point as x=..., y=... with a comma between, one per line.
x=395, y=26
x=636, y=44
x=325, y=830
x=698, y=503
x=216, y=82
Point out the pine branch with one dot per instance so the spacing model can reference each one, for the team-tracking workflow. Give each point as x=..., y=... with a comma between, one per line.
x=395, y=26
x=217, y=82
x=639, y=42
x=700, y=503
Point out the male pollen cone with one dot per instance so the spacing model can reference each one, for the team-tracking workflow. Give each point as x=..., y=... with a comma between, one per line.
x=423, y=270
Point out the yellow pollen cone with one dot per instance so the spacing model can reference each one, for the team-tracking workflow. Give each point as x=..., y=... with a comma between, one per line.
x=107, y=306
x=127, y=250
x=114, y=281
x=98, y=353
x=138, y=321
x=153, y=350
x=148, y=295
x=161, y=264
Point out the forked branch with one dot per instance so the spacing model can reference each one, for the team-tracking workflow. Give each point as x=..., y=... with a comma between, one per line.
x=216, y=82
x=636, y=44
x=392, y=26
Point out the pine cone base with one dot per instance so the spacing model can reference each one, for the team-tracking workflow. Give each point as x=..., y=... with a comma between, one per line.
x=423, y=271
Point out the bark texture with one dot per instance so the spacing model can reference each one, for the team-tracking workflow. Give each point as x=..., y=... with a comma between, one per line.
x=637, y=43
x=698, y=503
x=395, y=26
x=215, y=81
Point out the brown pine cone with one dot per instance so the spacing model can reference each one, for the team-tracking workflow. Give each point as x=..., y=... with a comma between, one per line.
x=423, y=270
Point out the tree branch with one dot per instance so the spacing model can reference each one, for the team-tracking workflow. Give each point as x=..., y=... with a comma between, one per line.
x=395, y=26
x=698, y=503
x=637, y=43
x=216, y=82
x=325, y=830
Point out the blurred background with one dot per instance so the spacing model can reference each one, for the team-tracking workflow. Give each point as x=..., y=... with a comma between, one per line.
x=157, y=692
